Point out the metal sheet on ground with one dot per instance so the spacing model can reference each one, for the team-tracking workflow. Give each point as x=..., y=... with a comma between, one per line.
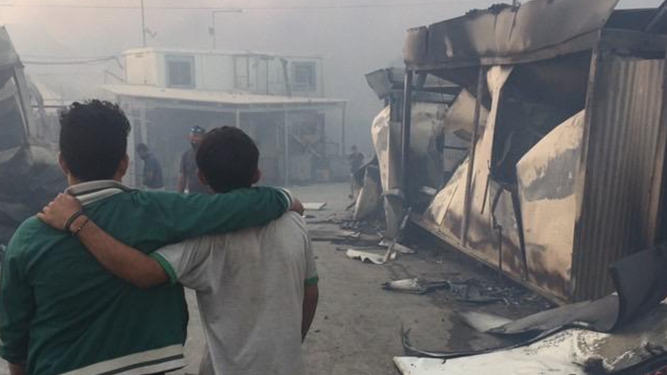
x=314, y=206
x=571, y=351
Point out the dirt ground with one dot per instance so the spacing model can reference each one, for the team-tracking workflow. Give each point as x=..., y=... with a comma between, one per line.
x=357, y=330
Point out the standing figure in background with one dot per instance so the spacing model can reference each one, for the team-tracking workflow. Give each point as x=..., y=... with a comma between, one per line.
x=188, y=176
x=152, y=178
x=356, y=160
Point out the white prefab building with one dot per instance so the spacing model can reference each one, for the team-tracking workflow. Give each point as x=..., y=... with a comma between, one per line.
x=247, y=72
x=278, y=100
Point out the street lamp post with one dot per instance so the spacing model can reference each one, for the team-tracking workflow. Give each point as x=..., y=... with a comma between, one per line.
x=213, y=30
x=143, y=24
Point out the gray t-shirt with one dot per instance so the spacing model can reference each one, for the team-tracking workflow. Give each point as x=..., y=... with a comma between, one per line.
x=250, y=288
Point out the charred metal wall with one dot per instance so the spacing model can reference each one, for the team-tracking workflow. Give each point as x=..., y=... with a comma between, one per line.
x=624, y=111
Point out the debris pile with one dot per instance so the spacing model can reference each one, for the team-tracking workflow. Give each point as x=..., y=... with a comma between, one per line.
x=622, y=333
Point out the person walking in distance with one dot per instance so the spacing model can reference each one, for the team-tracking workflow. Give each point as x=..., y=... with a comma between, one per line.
x=188, y=171
x=152, y=178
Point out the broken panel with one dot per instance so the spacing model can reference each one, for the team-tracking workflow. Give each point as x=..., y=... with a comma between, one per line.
x=546, y=179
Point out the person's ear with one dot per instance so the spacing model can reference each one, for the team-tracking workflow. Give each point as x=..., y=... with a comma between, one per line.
x=256, y=177
x=202, y=178
x=122, y=168
x=63, y=164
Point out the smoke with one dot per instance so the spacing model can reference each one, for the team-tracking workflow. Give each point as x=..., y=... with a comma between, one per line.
x=353, y=39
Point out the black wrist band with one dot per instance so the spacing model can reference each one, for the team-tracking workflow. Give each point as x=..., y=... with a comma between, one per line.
x=71, y=220
x=78, y=230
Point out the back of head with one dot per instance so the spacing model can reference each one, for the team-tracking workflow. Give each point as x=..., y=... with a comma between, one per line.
x=93, y=139
x=228, y=158
x=142, y=147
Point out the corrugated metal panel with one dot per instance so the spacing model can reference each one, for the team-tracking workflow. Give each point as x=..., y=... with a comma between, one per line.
x=624, y=115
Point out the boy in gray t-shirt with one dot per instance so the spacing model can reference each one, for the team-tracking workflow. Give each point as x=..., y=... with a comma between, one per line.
x=256, y=288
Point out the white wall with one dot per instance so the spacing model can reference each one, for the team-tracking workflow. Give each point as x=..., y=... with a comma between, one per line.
x=141, y=69
x=216, y=72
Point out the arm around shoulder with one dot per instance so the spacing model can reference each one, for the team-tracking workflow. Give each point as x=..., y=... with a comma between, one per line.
x=122, y=260
x=200, y=214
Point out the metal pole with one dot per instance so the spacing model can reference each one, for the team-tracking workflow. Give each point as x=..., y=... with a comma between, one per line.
x=238, y=119
x=143, y=23
x=342, y=129
x=471, y=162
x=405, y=132
x=286, y=126
x=214, y=31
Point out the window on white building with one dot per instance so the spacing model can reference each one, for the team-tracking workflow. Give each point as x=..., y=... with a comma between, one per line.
x=304, y=76
x=180, y=71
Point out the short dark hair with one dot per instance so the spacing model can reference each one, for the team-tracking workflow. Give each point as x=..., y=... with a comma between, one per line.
x=142, y=147
x=93, y=139
x=228, y=158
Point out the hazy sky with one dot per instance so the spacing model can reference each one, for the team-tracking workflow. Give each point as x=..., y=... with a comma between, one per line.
x=352, y=40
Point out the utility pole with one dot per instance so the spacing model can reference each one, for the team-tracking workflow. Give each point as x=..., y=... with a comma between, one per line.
x=212, y=29
x=143, y=24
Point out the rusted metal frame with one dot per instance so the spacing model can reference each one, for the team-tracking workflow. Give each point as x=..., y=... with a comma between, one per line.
x=660, y=15
x=583, y=190
x=657, y=215
x=406, y=126
x=496, y=226
x=516, y=204
x=416, y=218
x=24, y=100
x=628, y=41
x=421, y=81
x=578, y=44
x=616, y=42
x=471, y=163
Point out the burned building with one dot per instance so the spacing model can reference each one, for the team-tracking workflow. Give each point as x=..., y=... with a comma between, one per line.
x=30, y=174
x=561, y=112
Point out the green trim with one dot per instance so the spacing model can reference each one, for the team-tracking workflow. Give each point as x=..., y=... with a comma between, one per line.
x=166, y=266
x=312, y=281
x=146, y=364
x=289, y=199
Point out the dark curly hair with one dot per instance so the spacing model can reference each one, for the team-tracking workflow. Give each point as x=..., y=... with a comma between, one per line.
x=228, y=158
x=93, y=139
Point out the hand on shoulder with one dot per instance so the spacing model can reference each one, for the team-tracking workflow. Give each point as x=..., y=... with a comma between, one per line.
x=57, y=213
